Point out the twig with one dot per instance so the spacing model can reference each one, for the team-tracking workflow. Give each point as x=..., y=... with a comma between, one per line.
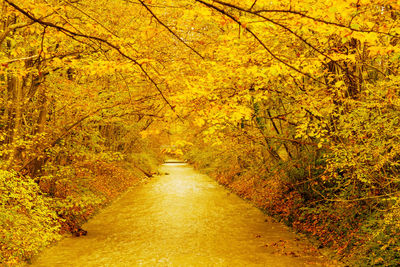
x=172, y=32
x=73, y=34
x=260, y=41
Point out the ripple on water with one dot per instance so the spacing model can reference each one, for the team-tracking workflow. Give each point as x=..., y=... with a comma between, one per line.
x=181, y=219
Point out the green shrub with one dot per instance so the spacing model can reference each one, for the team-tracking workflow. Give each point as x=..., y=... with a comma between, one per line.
x=383, y=247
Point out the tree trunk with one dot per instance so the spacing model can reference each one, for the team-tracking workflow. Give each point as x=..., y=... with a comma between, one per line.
x=14, y=89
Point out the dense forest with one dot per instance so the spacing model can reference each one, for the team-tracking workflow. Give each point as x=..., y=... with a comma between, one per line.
x=294, y=105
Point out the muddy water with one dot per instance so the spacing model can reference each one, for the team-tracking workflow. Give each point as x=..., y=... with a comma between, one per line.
x=181, y=219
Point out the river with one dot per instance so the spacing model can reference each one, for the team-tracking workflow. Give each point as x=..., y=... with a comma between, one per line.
x=182, y=218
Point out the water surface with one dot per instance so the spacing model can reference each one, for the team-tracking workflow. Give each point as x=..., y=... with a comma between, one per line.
x=182, y=218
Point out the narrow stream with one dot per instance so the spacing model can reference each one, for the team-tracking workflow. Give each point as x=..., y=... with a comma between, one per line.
x=182, y=218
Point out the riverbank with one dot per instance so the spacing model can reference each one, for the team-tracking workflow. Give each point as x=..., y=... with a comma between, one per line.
x=334, y=237
x=182, y=218
x=46, y=218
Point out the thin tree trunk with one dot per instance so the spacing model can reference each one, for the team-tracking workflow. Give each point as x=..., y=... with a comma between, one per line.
x=14, y=114
x=43, y=111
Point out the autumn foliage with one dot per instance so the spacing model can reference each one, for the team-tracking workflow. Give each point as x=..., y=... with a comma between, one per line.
x=292, y=104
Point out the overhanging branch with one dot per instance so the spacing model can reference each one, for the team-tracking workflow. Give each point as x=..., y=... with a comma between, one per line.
x=222, y=11
x=74, y=34
x=171, y=31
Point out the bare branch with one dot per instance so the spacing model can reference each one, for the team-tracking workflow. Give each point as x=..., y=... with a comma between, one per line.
x=18, y=59
x=89, y=16
x=172, y=32
x=255, y=1
x=73, y=34
x=302, y=39
x=260, y=41
x=316, y=19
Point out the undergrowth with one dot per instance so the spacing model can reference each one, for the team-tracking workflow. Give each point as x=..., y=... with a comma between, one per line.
x=36, y=213
x=360, y=233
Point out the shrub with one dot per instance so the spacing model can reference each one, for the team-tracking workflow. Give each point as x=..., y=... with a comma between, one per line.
x=27, y=223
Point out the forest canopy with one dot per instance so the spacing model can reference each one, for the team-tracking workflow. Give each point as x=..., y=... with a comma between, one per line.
x=292, y=104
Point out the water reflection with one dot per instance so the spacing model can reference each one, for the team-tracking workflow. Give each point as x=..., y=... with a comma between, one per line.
x=174, y=162
x=181, y=219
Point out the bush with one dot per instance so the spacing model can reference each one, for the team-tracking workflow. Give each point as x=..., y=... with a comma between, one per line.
x=27, y=223
x=383, y=247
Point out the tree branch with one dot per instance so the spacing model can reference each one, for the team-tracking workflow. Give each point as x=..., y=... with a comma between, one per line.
x=286, y=29
x=172, y=32
x=65, y=133
x=73, y=34
x=316, y=19
x=260, y=41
